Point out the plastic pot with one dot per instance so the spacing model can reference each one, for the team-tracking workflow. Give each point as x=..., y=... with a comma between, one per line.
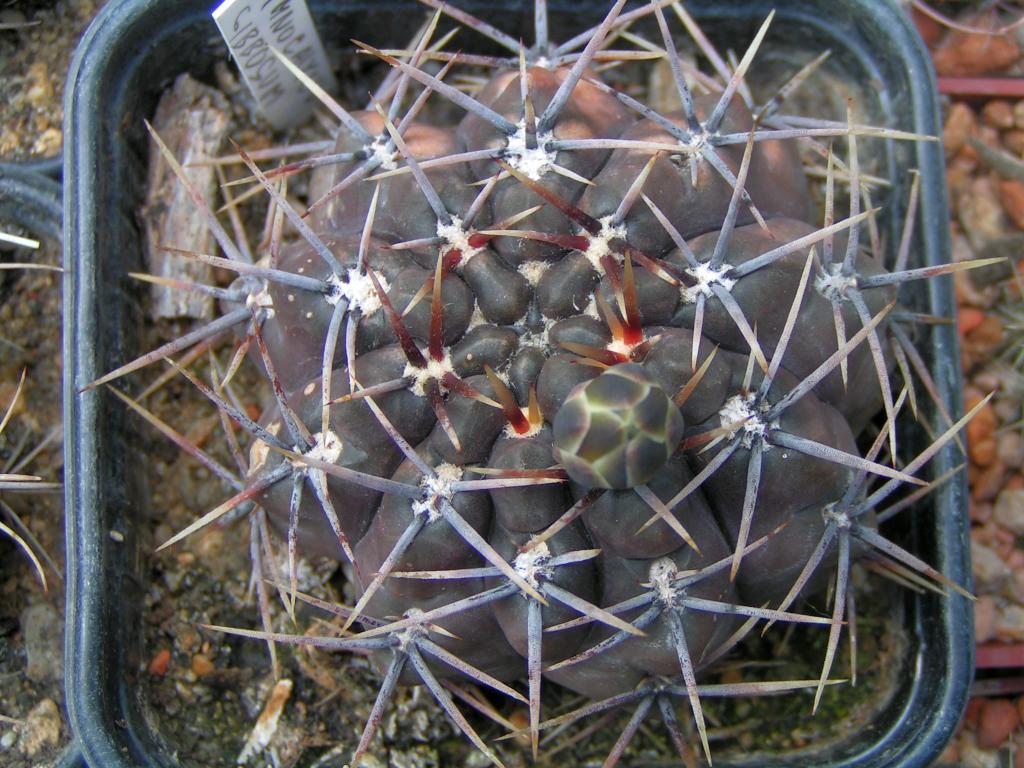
x=132, y=53
x=52, y=167
x=34, y=202
x=31, y=200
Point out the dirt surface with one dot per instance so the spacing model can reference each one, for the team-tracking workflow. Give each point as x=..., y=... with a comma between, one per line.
x=34, y=56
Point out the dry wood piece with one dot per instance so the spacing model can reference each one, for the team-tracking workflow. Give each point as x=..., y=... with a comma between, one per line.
x=193, y=119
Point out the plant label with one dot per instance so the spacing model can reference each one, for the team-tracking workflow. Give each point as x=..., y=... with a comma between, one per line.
x=260, y=34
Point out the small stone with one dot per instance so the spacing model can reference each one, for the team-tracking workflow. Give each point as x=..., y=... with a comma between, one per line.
x=1013, y=140
x=1012, y=195
x=1008, y=248
x=998, y=113
x=997, y=720
x=201, y=665
x=988, y=335
x=989, y=569
x=928, y=28
x=972, y=711
x=981, y=212
x=989, y=136
x=41, y=729
x=1018, y=114
x=960, y=124
x=1010, y=626
x=989, y=481
x=1009, y=510
x=968, y=318
x=370, y=761
x=1010, y=448
x=985, y=615
x=1016, y=561
x=38, y=91
x=43, y=630
x=973, y=756
x=1007, y=409
x=8, y=739
x=159, y=664
x=983, y=424
x=950, y=755
x=966, y=55
x=983, y=452
x=959, y=173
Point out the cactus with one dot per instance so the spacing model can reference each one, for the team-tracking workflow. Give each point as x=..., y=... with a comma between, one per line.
x=575, y=388
x=13, y=475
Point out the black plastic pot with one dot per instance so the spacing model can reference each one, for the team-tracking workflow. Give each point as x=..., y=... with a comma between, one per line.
x=34, y=202
x=52, y=167
x=135, y=49
x=31, y=200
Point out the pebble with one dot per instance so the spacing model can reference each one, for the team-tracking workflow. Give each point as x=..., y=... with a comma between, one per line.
x=950, y=755
x=1010, y=626
x=972, y=756
x=39, y=90
x=989, y=569
x=40, y=729
x=42, y=628
x=1009, y=510
x=1012, y=195
x=989, y=135
x=986, y=613
x=1009, y=249
x=1007, y=409
x=967, y=55
x=983, y=452
x=998, y=113
x=988, y=336
x=983, y=424
x=972, y=711
x=996, y=721
x=959, y=172
x=159, y=664
x=1013, y=140
x=201, y=665
x=968, y=318
x=981, y=212
x=929, y=29
x=989, y=482
x=960, y=124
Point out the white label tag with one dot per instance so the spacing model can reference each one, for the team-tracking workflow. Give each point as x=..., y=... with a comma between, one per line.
x=251, y=28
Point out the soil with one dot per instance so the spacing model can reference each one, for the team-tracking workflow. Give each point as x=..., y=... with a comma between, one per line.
x=34, y=59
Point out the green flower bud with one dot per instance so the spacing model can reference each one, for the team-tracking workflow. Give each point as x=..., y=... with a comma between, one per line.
x=618, y=430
